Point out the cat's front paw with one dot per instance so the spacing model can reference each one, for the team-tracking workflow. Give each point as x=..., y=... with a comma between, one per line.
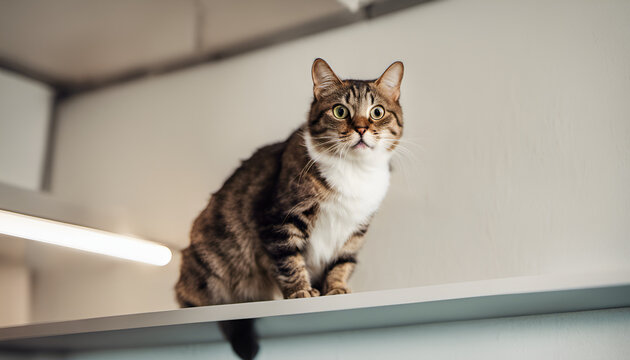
x=338, y=291
x=304, y=293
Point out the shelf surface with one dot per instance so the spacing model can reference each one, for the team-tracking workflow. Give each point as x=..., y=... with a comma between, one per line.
x=428, y=304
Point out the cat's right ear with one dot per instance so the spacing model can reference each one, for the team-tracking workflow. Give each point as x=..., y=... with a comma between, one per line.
x=324, y=79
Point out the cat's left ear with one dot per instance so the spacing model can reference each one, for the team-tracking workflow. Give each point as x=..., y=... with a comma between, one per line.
x=324, y=79
x=389, y=82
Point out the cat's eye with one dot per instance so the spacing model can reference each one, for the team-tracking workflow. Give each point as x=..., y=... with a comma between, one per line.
x=340, y=112
x=377, y=112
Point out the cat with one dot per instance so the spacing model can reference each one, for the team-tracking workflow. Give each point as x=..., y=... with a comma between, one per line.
x=288, y=223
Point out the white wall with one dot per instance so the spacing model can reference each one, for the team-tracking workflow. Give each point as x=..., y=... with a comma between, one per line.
x=97, y=286
x=24, y=116
x=15, y=294
x=517, y=122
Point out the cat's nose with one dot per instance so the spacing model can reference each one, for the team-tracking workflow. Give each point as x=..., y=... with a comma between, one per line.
x=360, y=130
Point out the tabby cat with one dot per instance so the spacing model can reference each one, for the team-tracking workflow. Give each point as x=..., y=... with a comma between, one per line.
x=290, y=220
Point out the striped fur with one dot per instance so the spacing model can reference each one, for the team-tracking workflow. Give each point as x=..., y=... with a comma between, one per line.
x=290, y=220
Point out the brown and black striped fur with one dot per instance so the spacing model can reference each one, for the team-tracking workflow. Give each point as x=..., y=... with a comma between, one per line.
x=246, y=238
x=250, y=243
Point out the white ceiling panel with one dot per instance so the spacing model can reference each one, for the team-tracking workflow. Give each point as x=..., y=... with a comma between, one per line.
x=76, y=40
x=232, y=22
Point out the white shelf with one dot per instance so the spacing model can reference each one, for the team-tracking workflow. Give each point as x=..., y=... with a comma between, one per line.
x=429, y=304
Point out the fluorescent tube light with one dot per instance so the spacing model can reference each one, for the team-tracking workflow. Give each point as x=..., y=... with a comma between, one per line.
x=82, y=238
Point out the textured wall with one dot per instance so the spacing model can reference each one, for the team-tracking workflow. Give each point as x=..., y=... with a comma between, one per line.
x=517, y=122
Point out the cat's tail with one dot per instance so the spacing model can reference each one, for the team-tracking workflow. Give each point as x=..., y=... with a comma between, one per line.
x=242, y=336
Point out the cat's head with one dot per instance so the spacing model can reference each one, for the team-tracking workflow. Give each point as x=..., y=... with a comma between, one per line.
x=355, y=118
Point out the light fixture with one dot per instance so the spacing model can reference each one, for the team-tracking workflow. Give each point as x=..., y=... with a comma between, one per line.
x=82, y=238
x=355, y=5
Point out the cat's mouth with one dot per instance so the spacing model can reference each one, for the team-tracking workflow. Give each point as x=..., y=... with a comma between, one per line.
x=361, y=145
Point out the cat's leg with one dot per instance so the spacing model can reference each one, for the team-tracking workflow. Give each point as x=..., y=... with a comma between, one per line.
x=284, y=239
x=339, y=271
x=283, y=244
x=293, y=278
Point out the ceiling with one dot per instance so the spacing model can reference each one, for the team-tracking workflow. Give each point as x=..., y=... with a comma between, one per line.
x=78, y=41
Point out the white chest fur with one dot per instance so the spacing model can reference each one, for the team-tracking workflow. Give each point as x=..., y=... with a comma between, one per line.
x=360, y=186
